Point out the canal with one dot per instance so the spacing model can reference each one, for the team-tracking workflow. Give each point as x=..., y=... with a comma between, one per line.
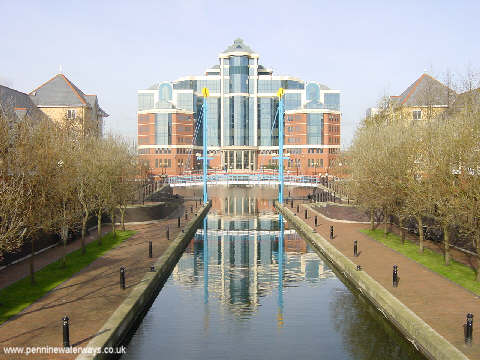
x=249, y=287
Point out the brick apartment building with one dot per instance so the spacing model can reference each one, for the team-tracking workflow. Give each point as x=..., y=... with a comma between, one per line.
x=242, y=124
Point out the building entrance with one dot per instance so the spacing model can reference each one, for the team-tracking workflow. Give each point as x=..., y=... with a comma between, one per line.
x=239, y=160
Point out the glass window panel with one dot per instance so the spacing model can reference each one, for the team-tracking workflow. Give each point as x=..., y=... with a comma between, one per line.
x=315, y=129
x=293, y=101
x=185, y=101
x=332, y=101
x=163, y=129
x=313, y=92
x=238, y=72
x=145, y=101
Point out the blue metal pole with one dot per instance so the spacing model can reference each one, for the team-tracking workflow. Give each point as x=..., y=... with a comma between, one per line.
x=280, y=148
x=205, y=160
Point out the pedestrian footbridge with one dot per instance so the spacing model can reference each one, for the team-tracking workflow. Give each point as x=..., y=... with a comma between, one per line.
x=244, y=179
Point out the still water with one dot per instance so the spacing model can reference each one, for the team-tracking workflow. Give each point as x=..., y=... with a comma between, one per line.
x=249, y=287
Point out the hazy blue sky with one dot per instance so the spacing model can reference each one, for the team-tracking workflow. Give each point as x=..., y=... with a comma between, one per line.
x=113, y=48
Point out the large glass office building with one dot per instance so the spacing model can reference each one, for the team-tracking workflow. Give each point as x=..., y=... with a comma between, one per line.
x=242, y=119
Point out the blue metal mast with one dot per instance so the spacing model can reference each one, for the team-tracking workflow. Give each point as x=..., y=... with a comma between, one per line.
x=204, y=157
x=280, y=144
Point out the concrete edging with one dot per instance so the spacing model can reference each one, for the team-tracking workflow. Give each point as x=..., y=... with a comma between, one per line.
x=424, y=337
x=117, y=328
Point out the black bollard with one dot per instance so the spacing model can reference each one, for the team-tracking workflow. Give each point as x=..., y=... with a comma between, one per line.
x=66, y=332
x=333, y=197
x=291, y=204
x=348, y=200
x=298, y=208
x=191, y=209
x=469, y=327
x=289, y=194
x=315, y=220
x=150, y=249
x=395, y=275
x=168, y=233
x=122, y=278
x=306, y=216
x=331, y=232
x=186, y=216
x=355, y=253
x=178, y=221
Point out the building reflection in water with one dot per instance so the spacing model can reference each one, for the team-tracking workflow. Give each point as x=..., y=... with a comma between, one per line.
x=243, y=257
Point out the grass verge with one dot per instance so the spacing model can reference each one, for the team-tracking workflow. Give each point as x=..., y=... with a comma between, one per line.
x=459, y=273
x=16, y=297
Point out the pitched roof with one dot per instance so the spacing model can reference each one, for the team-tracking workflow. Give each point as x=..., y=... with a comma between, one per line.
x=238, y=45
x=426, y=90
x=58, y=91
x=14, y=99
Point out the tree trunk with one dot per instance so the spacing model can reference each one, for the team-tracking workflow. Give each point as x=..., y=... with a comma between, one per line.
x=446, y=245
x=122, y=215
x=420, y=233
x=402, y=230
x=113, y=222
x=372, y=220
x=99, y=227
x=32, y=261
x=84, y=230
x=64, y=235
x=385, y=222
x=477, y=248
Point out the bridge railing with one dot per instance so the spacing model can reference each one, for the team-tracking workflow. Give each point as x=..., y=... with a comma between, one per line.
x=182, y=180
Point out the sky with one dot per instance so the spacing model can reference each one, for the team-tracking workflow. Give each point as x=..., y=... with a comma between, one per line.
x=365, y=49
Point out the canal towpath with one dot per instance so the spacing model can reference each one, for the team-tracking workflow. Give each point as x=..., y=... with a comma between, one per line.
x=438, y=301
x=91, y=296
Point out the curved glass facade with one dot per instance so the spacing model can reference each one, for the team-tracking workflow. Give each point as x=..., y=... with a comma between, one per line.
x=213, y=121
x=239, y=120
x=165, y=92
x=238, y=72
x=267, y=108
x=315, y=129
x=313, y=92
x=163, y=129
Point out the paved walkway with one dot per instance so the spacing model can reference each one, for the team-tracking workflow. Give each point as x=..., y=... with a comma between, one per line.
x=89, y=297
x=438, y=301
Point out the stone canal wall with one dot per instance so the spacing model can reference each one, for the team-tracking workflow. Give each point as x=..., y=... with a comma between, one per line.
x=124, y=320
x=429, y=342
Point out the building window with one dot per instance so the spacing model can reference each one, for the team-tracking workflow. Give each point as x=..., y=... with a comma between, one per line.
x=417, y=114
x=145, y=101
x=71, y=114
